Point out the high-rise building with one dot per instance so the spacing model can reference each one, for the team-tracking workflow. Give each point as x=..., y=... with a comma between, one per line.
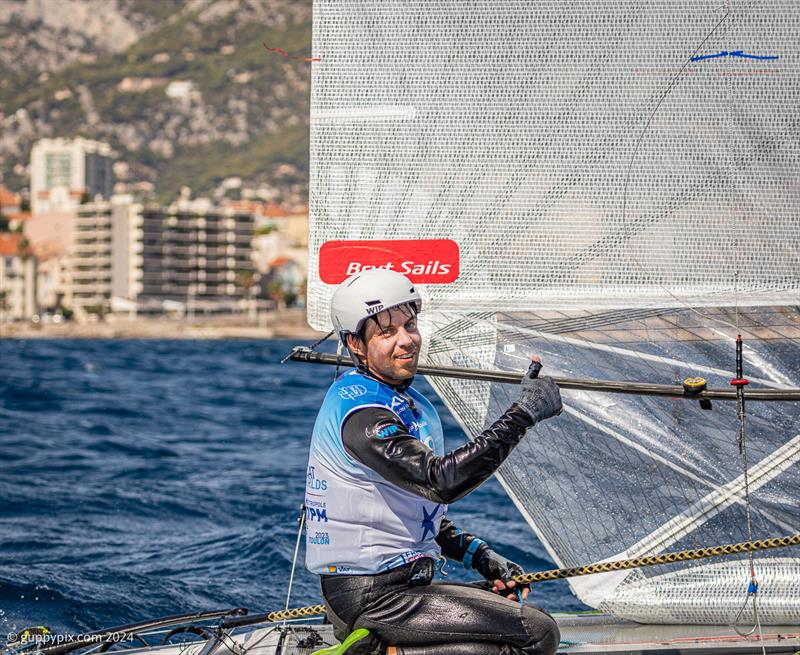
x=105, y=268
x=66, y=171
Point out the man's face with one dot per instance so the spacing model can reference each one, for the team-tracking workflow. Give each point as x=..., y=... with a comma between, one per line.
x=391, y=345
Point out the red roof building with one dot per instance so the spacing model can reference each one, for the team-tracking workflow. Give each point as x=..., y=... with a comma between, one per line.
x=10, y=244
x=10, y=202
x=275, y=211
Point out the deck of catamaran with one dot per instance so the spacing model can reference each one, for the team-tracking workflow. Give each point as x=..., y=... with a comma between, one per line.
x=585, y=633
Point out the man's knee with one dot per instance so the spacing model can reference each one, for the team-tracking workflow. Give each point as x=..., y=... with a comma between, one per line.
x=543, y=631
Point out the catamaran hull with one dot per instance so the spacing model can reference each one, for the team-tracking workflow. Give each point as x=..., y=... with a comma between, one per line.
x=585, y=634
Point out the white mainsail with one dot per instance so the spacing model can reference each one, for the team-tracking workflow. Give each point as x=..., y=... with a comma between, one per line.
x=622, y=180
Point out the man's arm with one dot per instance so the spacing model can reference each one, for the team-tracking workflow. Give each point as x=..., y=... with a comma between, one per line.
x=377, y=438
x=459, y=545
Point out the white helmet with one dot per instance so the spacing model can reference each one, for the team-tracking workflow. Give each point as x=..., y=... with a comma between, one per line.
x=368, y=293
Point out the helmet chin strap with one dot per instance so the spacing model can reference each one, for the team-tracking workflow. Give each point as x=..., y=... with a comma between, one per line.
x=357, y=363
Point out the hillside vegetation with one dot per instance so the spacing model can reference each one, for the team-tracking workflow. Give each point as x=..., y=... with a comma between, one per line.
x=245, y=111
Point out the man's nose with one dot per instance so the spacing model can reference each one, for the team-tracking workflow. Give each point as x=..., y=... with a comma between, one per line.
x=404, y=337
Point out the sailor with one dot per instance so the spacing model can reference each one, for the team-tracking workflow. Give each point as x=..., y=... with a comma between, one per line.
x=378, y=486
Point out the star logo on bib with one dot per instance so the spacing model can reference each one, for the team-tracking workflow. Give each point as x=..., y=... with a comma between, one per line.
x=427, y=522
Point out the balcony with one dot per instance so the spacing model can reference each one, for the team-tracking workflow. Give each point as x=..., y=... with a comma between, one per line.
x=91, y=250
x=93, y=231
x=98, y=288
x=89, y=277
x=93, y=262
x=179, y=250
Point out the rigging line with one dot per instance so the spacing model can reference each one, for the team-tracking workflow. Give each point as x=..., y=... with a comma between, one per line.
x=590, y=569
x=763, y=364
x=670, y=85
x=313, y=345
x=734, y=222
x=740, y=382
x=655, y=560
x=301, y=522
x=752, y=589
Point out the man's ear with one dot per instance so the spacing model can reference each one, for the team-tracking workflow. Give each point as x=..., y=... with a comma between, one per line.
x=357, y=346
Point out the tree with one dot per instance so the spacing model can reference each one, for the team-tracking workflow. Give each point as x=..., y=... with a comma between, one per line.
x=277, y=292
x=247, y=278
x=24, y=248
x=3, y=306
x=98, y=310
x=263, y=230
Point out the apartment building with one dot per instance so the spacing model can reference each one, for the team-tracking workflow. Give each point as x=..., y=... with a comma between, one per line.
x=194, y=253
x=65, y=171
x=129, y=257
x=17, y=279
x=104, y=256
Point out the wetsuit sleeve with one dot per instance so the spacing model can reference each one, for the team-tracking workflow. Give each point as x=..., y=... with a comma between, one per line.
x=377, y=438
x=456, y=544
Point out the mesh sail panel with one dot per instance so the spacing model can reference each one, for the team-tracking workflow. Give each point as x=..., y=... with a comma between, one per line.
x=622, y=180
x=571, y=149
x=619, y=476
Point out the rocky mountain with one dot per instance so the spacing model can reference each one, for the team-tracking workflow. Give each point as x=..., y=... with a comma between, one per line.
x=184, y=91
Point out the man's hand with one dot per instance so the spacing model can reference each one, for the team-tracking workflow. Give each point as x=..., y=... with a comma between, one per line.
x=539, y=397
x=517, y=594
x=499, y=571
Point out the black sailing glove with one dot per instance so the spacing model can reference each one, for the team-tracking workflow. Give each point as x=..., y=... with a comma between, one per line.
x=493, y=566
x=539, y=397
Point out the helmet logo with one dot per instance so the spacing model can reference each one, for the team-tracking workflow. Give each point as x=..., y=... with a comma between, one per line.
x=373, y=306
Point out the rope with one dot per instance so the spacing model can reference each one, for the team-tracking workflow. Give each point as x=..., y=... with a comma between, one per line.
x=295, y=613
x=601, y=567
x=752, y=590
x=666, y=558
x=301, y=523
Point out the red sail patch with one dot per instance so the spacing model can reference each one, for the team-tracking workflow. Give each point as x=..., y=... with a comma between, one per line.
x=423, y=261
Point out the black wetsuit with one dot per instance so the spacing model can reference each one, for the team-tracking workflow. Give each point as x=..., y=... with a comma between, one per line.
x=401, y=607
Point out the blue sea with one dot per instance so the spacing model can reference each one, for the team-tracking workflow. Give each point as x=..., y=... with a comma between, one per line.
x=147, y=478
